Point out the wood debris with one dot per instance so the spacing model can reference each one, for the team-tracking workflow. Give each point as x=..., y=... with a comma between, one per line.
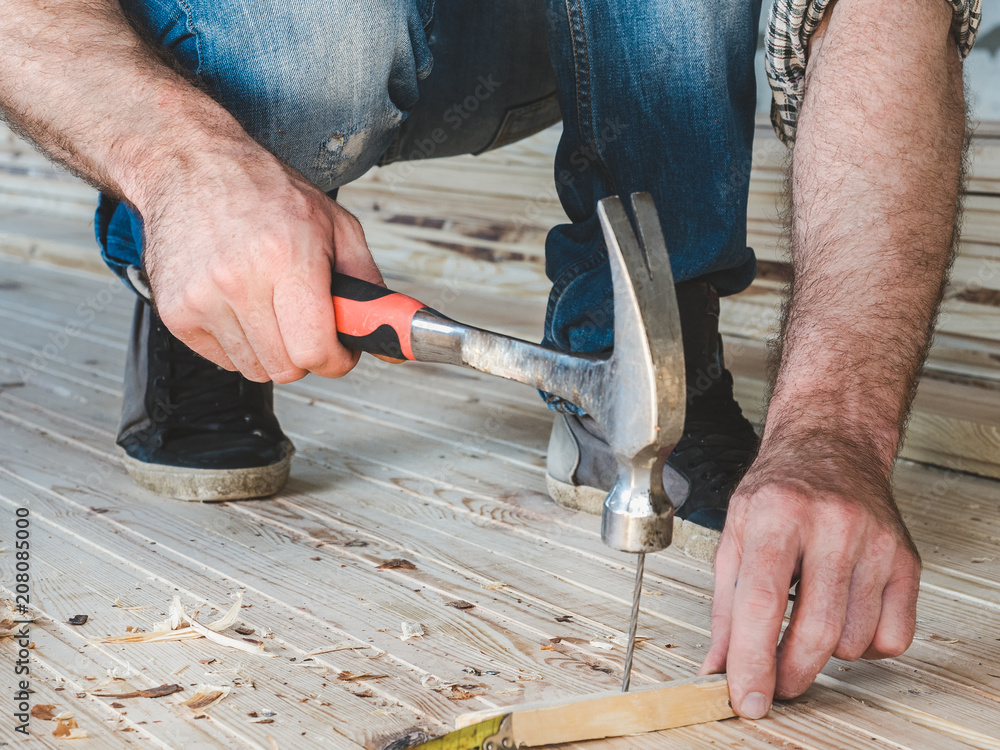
x=180, y=625
x=942, y=639
x=43, y=711
x=158, y=692
x=397, y=563
x=205, y=696
x=464, y=692
x=411, y=630
x=622, y=640
x=69, y=730
x=347, y=676
x=341, y=646
x=460, y=604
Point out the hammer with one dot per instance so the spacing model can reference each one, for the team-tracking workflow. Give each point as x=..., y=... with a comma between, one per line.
x=636, y=394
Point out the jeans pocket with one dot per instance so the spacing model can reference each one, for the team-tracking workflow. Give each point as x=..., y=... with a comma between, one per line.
x=525, y=120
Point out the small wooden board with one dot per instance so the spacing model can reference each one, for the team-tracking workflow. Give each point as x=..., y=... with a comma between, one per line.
x=612, y=713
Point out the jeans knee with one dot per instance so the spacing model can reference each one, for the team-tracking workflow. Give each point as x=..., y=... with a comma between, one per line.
x=323, y=84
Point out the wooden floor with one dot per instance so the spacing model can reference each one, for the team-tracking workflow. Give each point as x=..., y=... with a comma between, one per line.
x=442, y=468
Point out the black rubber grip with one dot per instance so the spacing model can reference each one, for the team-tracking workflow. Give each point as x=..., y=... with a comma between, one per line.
x=351, y=287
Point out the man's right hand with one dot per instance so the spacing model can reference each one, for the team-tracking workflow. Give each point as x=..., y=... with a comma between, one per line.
x=238, y=247
x=239, y=253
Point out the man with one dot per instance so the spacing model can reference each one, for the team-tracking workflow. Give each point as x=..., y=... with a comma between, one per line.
x=219, y=133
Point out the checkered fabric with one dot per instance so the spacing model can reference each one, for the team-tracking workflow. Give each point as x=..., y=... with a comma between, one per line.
x=789, y=29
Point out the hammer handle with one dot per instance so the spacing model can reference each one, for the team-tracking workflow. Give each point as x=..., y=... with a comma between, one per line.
x=373, y=319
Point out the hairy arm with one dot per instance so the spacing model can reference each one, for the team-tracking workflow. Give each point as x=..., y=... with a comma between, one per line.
x=875, y=181
x=238, y=247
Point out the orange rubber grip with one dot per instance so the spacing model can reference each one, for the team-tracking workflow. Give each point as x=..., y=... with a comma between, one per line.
x=373, y=319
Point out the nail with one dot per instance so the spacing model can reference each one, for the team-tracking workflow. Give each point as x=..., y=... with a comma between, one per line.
x=755, y=706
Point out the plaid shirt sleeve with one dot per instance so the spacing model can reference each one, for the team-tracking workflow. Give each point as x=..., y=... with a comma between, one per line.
x=789, y=29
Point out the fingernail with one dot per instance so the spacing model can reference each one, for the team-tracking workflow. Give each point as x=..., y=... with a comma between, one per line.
x=755, y=706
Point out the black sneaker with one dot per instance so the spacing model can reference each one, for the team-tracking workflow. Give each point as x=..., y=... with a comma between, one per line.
x=192, y=430
x=704, y=468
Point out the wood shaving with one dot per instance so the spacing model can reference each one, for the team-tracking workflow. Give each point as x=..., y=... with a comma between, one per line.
x=397, y=563
x=460, y=604
x=942, y=639
x=411, y=630
x=43, y=711
x=464, y=692
x=157, y=692
x=68, y=730
x=622, y=640
x=346, y=676
x=495, y=586
x=205, y=696
x=174, y=629
x=342, y=646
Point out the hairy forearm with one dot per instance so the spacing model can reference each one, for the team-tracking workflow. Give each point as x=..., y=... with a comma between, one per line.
x=77, y=79
x=875, y=182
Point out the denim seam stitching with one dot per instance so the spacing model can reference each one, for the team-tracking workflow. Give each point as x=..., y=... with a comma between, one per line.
x=588, y=130
x=570, y=275
x=189, y=13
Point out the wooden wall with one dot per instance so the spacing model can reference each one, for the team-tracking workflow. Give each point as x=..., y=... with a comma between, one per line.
x=474, y=223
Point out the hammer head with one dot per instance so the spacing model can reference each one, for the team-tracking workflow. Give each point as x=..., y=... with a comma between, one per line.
x=639, y=402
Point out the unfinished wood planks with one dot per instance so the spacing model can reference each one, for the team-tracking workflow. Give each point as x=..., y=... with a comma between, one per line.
x=445, y=469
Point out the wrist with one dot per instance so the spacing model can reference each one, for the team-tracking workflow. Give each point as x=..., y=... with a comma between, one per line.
x=186, y=140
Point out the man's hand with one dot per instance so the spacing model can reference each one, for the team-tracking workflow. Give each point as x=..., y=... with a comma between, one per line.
x=239, y=248
x=875, y=182
x=239, y=256
x=832, y=526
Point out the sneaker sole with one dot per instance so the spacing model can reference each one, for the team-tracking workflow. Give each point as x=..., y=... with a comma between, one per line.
x=209, y=485
x=693, y=540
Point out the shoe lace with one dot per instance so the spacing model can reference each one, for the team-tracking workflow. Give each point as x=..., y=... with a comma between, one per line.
x=200, y=395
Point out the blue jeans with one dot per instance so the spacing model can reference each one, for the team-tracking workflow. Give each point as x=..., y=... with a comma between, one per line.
x=655, y=96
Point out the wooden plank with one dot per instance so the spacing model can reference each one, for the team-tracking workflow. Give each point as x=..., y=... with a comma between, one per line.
x=614, y=713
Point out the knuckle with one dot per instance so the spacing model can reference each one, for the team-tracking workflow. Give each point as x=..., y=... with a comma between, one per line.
x=820, y=634
x=890, y=644
x=288, y=376
x=761, y=604
x=225, y=278
x=309, y=359
x=850, y=650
